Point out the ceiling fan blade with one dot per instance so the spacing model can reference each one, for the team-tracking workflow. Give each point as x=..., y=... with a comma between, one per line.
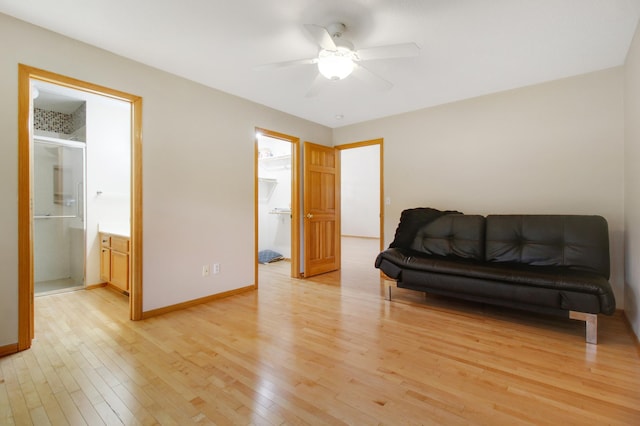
x=286, y=64
x=368, y=77
x=402, y=50
x=321, y=36
x=316, y=86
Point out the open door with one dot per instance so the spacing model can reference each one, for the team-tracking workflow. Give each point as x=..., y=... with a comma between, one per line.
x=321, y=209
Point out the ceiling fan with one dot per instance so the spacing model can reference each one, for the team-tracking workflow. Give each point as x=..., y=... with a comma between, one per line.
x=337, y=59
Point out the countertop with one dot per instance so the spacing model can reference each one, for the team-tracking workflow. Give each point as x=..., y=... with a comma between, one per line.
x=121, y=230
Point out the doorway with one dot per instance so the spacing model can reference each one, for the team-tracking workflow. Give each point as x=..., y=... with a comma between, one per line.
x=276, y=215
x=60, y=203
x=361, y=199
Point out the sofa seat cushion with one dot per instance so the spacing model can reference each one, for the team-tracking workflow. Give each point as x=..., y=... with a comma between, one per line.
x=554, y=277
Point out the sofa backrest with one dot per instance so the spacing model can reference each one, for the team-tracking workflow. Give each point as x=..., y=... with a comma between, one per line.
x=579, y=242
x=452, y=235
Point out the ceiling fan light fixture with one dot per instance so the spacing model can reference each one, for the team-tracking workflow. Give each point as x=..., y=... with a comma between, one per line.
x=336, y=64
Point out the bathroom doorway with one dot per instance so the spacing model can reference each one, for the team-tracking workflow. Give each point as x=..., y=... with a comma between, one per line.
x=72, y=202
x=61, y=200
x=277, y=222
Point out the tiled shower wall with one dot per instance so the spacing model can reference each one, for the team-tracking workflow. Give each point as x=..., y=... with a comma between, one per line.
x=57, y=122
x=79, y=118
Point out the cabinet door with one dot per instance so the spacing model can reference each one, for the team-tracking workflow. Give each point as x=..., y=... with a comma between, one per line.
x=105, y=264
x=120, y=270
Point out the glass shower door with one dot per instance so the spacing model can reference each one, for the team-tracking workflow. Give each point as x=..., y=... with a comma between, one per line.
x=58, y=206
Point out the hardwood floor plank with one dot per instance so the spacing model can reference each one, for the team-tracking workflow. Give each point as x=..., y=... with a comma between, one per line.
x=71, y=412
x=86, y=408
x=6, y=413
x=325, y=350
x=17, y=400
x=168, y=407
x=141, y=414
x=27, y=387
x=219, y=407
x=39, y=416
x=107, y=414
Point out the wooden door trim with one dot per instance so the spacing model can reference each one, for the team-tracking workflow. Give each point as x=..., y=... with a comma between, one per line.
x=380, y=143
x=25, y=230
x=295, y=199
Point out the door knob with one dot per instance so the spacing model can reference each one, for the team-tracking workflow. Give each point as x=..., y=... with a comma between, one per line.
x=309, y=215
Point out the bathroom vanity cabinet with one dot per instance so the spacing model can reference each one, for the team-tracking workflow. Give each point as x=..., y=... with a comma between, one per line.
x=114, y=260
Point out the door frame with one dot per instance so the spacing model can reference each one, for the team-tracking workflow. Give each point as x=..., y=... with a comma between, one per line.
x=295, y=199
x=380, y=143
x=25, y=184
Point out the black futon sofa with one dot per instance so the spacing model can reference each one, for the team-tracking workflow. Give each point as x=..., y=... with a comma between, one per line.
x=552, y=264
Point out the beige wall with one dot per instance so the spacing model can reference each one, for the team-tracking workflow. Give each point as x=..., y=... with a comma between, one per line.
x=552, y=148
x=198, y=168
x=632, y=188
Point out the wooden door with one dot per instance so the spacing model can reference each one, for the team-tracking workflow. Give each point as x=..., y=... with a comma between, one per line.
x=120, y=270
x=321, y=210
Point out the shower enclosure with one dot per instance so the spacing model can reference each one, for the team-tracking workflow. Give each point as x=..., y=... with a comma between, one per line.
x=59, y=211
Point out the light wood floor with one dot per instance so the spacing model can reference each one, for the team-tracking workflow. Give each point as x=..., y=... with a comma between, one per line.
x=327, y=350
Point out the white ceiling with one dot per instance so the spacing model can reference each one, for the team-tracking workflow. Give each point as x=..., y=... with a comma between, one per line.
x=468, y=47
x=51, y=97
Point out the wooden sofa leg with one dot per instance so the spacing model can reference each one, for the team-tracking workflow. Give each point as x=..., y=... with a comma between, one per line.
x=591, y=321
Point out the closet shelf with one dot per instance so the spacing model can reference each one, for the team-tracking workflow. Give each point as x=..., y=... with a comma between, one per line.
x=276, y=162
x=280, y=211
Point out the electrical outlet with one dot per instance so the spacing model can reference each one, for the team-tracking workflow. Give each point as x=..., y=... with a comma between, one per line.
x=206, y=271
x=216, y=268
